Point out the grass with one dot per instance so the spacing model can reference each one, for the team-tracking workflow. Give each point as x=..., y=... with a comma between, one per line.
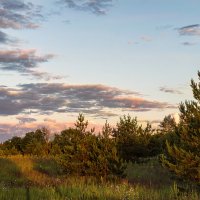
x=149, y=173
x=10, y=174
x=31, y=169
x=48, y=166
x=93, y=191
x=41, y=179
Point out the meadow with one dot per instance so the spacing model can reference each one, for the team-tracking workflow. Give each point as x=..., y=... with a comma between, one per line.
x=33, y=178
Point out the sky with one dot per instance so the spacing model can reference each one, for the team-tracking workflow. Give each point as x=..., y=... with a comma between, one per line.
x=102, y=58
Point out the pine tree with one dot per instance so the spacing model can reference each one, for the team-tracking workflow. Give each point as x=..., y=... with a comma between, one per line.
x=81, y=124
x=89, y=154
x=132, y=139
x=183, y=158
x=168, y=125
x=109, y=160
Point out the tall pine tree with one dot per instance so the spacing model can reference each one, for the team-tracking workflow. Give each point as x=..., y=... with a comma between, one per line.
x=183, y=158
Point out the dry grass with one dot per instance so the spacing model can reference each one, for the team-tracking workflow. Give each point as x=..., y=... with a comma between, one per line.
x=47, y=184
x=35, y=177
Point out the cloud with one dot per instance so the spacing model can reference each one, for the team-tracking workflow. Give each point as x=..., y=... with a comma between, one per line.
x=49, y=120
x=24, y=120
x=146, y=38
x=17, y=14
x=25, y=62
x=98, y=7
x=191, y=30
x=189, y=43
x=164, y=27
x=43, y=75
x=130, y=42
x=96, y=100
x=152, y=122
x=170, y=90
x=4, y=136
x=21, y=60
x=9, y=130
x=4, y=39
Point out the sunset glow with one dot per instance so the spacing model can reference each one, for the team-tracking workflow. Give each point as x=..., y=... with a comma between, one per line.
x=100, y=58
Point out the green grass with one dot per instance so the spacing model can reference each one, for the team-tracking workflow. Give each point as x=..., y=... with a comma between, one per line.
x=92, y=192
x=10, y=174
x=39, y=179
x=48, y=166
x=149, y=173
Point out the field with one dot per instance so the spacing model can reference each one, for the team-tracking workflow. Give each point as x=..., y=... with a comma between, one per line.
x=29, y=178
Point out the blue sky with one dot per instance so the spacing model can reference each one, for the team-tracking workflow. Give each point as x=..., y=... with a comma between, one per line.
x=105, y=58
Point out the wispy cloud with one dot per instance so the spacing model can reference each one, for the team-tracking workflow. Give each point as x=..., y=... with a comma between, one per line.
x=17, y=14
x=191, y=30
x=24, y=119
x=152, y=122
x=170, y=90
x=189, y=43
x=25, y=62
x=146, y=38
x=164, y=27
x=8, y=130
x=49, y=120
x=98, y=7
x=20, y=60
x=4, y=39
x=97, y=100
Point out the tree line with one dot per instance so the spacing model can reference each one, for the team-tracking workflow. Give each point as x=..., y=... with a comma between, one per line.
x=83, y=152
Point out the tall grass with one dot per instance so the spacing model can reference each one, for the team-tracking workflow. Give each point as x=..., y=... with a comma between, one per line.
x=29, y=168
x=10, y=174
x=48, y=166
x=39, y=179
x=98, y=192
x=149, y=173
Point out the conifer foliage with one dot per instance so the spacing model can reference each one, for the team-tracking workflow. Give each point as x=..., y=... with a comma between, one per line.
x=133, y=141
x=86, y=154
x=183, y=158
